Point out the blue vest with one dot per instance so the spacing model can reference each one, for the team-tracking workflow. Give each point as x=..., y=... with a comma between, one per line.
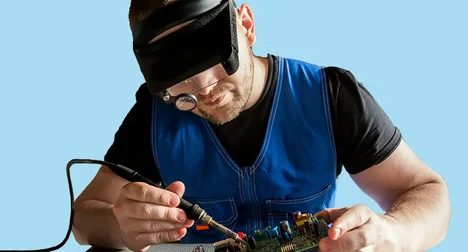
x=294, y=171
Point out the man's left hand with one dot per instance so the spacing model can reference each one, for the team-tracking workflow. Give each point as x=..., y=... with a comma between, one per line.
x=359, y=229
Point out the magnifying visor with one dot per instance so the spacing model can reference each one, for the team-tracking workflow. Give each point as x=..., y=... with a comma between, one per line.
x=198, y=55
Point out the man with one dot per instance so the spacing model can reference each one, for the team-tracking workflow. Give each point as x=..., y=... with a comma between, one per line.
x=251, y=140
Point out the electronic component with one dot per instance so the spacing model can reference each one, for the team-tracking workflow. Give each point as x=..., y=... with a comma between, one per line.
x=303, y=235
x=198, y=248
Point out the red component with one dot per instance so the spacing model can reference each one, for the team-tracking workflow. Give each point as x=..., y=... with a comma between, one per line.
x=241, y=235
x=202, y=227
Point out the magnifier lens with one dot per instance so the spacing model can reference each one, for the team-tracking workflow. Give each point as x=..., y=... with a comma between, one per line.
x=186, y=103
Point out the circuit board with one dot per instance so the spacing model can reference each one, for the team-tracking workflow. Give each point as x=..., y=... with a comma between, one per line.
x=303, y=235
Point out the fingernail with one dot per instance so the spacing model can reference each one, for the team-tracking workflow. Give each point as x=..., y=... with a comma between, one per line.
x=180, y=233
x=176, y=236
x=174, y=201
x=189, y=222
x=337, y=232
x=181, y=217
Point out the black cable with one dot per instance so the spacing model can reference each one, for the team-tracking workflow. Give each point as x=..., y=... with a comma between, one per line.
x=193, y=211
x=72, y=200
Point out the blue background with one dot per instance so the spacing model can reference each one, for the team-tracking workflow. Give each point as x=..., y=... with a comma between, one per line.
x=68, y=78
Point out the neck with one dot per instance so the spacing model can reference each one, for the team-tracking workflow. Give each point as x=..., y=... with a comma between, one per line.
x=260, y=75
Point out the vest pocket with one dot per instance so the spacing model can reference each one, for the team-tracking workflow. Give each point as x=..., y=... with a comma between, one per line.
x=280, y=210
x=223, y=211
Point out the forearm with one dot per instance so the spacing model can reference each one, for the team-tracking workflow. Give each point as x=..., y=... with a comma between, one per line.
x=423, y=214
x=95, y=224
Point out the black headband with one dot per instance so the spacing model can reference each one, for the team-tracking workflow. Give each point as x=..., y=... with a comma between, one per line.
x=169, y=16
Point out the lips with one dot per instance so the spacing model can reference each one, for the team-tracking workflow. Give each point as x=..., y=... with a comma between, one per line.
x=215, y=101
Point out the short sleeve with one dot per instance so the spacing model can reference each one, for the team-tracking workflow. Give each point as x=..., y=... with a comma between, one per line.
x=132, y=141
x=364, y=134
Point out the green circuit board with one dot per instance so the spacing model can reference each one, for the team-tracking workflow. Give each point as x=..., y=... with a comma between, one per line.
x=297, y=243
x=302, y=235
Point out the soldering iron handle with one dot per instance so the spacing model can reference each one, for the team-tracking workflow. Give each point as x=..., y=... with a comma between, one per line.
x=193, y=211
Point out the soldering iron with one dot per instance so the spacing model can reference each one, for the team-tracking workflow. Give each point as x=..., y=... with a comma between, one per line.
x=193, y=211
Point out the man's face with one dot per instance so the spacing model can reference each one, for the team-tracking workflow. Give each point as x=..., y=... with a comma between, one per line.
x=225, y=100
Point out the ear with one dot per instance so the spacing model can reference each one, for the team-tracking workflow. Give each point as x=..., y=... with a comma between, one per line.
x=246, y=22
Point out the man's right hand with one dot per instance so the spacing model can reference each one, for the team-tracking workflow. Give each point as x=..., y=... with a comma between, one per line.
x=148, y=215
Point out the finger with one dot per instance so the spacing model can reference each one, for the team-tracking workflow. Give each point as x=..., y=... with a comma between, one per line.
x=355, y=217
x=160, y=237
x=177, y=187
x=138, y=247
x=355, y=240
x=153, y=226
x=329, y=215
x=145, y=193
x=147, y=211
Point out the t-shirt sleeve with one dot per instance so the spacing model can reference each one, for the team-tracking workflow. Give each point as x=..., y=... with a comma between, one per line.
x=364, y=134
x=132, y=141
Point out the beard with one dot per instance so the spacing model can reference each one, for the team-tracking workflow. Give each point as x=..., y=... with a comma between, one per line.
x=233, y=109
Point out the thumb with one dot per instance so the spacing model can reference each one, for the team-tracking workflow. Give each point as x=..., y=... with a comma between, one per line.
x=329, y=215
x=176, y=187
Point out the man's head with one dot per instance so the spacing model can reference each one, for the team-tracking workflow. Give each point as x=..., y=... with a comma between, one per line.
x=226, y=99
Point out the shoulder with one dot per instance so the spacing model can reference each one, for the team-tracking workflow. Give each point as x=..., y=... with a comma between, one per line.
x=335, y=76
x=143, y=94
x=346, y=93
x=292, y=64
x=364, y=133
x=338, y=77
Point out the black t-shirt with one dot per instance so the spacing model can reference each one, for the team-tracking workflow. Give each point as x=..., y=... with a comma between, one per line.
x=364, y=135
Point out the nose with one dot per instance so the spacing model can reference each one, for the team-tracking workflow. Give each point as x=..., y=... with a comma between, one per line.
x=207, y=90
